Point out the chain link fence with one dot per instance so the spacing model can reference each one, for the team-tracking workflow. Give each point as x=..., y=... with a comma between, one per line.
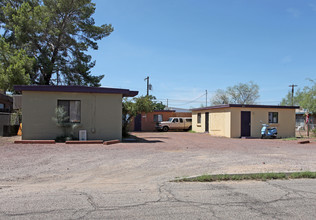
x=302, y=131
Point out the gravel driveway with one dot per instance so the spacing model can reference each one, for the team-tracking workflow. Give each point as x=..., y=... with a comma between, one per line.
x=74, y=181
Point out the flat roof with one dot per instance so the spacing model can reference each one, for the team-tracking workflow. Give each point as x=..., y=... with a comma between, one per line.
x=244, y=106
x=79, y=89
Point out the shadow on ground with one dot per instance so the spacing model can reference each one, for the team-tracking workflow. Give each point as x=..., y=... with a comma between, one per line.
x=133, y=139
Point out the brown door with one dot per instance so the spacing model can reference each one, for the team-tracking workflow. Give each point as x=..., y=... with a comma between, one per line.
x=138, y=123
x=245, y=123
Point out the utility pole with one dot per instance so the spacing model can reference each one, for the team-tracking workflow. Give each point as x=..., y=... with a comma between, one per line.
x=147, y=78
x=292, y=92
x=167, y=103
x=206, y=98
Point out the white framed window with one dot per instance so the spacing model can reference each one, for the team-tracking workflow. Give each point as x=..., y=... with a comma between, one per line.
x=72, y=109
x=273, y=117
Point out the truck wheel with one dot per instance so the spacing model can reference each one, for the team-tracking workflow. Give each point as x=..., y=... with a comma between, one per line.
x=165, y=129
x=190, y=128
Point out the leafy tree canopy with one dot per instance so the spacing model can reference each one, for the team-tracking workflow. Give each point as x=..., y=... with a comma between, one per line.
x=137, y=105
x=305, y=98
x=57, y=34
x=15, y=66
x=242, y=93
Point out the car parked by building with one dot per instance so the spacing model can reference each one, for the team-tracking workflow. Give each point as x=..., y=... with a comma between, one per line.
x=175, y=123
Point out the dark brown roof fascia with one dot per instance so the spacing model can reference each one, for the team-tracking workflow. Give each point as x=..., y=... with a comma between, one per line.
x=79, y=89
x=164, y=111
x=245, y=106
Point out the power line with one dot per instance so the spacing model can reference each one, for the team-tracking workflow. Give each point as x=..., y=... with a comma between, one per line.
x=186, y=101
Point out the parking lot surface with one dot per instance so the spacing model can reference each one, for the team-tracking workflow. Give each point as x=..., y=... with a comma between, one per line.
x=132, y=180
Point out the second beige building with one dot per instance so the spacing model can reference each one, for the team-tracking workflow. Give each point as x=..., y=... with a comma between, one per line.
x=234, y=120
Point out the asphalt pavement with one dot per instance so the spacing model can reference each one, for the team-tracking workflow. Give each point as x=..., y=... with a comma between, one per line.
x=132, y=180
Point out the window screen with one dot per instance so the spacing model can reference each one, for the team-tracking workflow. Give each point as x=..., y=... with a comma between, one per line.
x=273, y=117
x=199, y=118
x=72, y=109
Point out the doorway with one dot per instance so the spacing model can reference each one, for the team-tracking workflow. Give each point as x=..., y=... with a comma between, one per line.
x=245, y=123
x=138, y=123
x=207, y=121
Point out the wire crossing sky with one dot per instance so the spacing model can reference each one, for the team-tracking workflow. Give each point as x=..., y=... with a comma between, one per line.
x=189, y=46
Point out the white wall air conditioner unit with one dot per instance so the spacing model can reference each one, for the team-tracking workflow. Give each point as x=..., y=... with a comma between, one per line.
x=82, y=135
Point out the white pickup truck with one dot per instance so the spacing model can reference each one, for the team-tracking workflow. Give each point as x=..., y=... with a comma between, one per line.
x=175, y=123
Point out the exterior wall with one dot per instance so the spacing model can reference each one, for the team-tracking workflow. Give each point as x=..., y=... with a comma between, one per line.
x=101, y=115
x=148, y=123
x=198, y=127
x=285, y=125
x=226, y=122
x=219, y=122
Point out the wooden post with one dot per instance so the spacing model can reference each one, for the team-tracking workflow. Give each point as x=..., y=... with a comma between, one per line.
x=308, y=128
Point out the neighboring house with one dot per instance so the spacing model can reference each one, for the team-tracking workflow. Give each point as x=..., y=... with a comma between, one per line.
x=97, y=110
x=234, y=120
x=148, y=121
x=6, y=103
x=300, y=115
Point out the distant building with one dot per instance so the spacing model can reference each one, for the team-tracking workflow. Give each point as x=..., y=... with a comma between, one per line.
x=148, y=121
x=300, y=117
x=178, y=109
x=6, y=103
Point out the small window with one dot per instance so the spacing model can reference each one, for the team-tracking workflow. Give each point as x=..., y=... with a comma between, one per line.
x=188, y=120
x=175, y=120
x=273, y=117
x=72, y=109
x=157, y=118
x=1, y=106
x=181, y=120
x=199, y=118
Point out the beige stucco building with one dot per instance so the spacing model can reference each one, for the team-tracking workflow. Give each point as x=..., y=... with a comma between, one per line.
x=234, y=120
x=96, y=110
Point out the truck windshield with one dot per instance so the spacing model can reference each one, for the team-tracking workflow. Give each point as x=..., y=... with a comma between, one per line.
x=170, y=119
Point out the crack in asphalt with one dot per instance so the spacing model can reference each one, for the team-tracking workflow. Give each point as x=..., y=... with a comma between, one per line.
x=166, y=195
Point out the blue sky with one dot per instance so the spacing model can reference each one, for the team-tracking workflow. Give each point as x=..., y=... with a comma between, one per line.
x=189, y=46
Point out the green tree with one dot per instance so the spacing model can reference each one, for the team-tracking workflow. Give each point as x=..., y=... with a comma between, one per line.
x=242, y=93
x=220, y=97
x=157, y=105
x=296, y=98
x=15, y=66
x=305, y=98
x=135, y=106
x=57, y=33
